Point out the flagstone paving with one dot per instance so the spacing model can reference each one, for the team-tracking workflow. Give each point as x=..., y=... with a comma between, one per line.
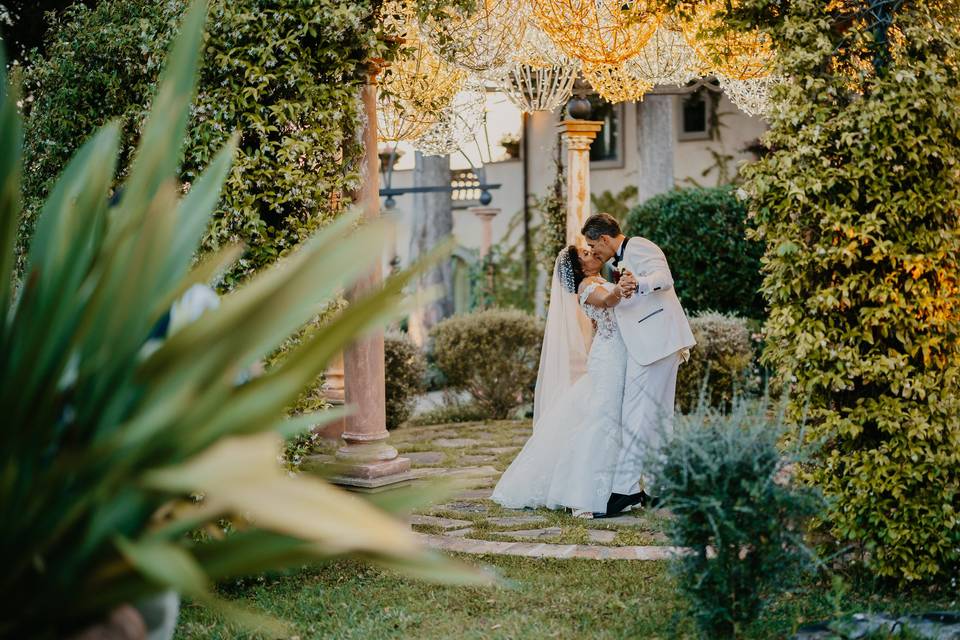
x=472, y=456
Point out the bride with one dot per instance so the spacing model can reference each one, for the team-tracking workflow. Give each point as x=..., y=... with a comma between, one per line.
x=570, y=459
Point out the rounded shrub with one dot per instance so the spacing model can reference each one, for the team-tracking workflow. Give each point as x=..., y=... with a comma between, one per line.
x=405, y=370
x=702, y=231
x=721, y=360
x=493, y=355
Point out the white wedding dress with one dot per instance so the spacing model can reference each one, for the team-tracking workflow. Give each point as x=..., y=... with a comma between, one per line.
x=571, y=458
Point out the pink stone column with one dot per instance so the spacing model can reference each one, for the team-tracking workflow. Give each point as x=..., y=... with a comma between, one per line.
x=366, y=461
x=486, y=215
x=577, y=135
x=333, y=392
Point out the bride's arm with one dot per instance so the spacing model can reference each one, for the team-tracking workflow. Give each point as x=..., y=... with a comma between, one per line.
x=600, y=297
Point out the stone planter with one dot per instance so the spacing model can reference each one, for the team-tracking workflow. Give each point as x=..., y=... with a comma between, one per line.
x=941, y=625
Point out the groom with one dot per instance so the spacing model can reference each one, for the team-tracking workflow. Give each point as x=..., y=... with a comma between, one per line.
x=657, y=336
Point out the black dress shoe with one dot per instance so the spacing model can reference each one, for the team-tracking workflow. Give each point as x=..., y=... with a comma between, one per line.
x=649, y=502
x=620, y=501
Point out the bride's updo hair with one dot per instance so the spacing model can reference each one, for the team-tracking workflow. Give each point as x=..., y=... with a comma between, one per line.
x=569, y=269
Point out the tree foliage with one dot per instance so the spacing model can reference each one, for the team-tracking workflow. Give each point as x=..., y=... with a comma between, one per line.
x=858, y=204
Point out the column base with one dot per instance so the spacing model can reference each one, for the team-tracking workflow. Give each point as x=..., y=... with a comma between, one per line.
x=370, y=474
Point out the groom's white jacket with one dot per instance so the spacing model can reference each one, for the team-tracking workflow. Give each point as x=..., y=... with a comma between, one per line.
x=652, y=322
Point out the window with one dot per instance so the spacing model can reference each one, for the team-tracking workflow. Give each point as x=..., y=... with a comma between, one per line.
x=694, y=117
x=606, y=148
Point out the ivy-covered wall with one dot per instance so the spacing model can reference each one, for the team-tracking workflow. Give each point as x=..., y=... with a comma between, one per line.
x=284, y=74
x=859, y=206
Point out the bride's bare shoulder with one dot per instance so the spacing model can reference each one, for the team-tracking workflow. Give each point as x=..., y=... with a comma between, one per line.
x=586, y=282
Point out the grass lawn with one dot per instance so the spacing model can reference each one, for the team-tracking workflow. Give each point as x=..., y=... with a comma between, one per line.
x=544, y=599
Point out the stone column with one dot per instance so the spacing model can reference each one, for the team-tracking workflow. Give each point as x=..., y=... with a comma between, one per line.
x=577, y=135
x=486, y=215
x=333, y=392
x=366, y=461
x=431, y=224
x=656, y=134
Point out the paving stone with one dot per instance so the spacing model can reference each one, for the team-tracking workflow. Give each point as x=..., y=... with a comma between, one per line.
x=475, y=494
x=480, y=459
x=601, y=535
x=629, y=521
x=433, y=521
x=455, y=443
x=459, y=533
x=512, y=521
x=464, y=507
x=532, y=534
x=545, y=550
x=500, y=450
x=425, y=457
x=469, y=472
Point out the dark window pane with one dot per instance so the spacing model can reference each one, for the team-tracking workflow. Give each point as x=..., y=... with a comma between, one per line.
x=694, y=114
x=606, y=145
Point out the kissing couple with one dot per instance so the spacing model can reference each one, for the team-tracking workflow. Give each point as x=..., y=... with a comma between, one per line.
x=607, y=378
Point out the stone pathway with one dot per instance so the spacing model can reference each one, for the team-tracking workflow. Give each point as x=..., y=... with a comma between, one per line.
x=473, y=455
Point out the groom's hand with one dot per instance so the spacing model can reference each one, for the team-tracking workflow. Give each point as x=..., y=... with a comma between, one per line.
x=628, y=282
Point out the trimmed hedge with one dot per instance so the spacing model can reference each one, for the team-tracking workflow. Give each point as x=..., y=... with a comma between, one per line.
x=723, y=358
x=405, y=371
x=858, y=205
x=703, y=234
x=494, y=355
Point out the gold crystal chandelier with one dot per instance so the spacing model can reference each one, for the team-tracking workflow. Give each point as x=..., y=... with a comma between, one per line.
x=482, y=40
x=417, y=87
x=458, y=125
x=598, y=32
x=667, y=58
x=616, y=82
x=734, y=54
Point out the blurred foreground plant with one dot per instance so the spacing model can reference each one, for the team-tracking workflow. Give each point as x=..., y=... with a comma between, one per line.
x=103, y=441
x=735, y=507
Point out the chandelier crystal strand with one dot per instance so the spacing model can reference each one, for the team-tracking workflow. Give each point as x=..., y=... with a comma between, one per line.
x=598, y=32
x=616, y=82
x=458, y=125
x=737, y=55
x=750, y=96
x=533, y=88
x=538, y=50
x=481, y=41
x=667, y=58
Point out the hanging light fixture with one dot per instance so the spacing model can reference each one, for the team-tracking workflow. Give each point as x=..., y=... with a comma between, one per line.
x=598, y=32
x=735, y=54
x=458, y=125
x=616, y=82
x=417, y=87
x=750, y=96
x=538, y=50
x=667, y=58
x=539, y=88
x=482, y=40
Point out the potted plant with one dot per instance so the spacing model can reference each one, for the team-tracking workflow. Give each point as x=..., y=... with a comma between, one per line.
x=105, y=439
x=511, y=143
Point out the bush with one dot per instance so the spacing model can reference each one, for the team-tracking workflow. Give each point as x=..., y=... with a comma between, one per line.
x=858, y=206
x=729, y=489
x=405, y=371
x=286, y=76
x=703, y=233
x=451, y=412
x=494, y=355
x=722, y=360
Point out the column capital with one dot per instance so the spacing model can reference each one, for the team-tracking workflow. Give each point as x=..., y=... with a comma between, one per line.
x=579, y=133
x=485, y=212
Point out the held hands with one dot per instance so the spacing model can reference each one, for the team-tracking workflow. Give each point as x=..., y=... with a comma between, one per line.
x=627, y=284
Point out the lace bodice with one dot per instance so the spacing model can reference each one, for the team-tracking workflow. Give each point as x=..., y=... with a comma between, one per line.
x=602, y=317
